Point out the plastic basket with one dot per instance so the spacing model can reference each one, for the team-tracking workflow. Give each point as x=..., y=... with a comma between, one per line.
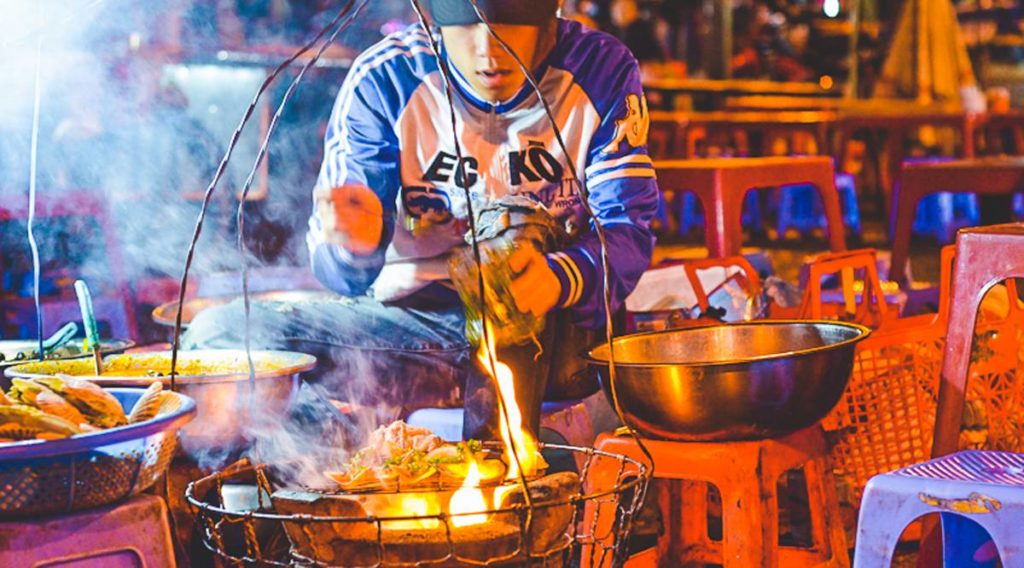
x=886, y=418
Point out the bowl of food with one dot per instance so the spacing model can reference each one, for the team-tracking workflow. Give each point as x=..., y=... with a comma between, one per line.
x=730, y=382
x=66, y=444
x=228, y=401
x=18, y=351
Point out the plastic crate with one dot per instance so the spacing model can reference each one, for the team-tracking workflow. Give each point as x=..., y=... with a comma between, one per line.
x=886, y=418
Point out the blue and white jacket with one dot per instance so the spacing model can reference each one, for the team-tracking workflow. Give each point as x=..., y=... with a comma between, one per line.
x=391, y=131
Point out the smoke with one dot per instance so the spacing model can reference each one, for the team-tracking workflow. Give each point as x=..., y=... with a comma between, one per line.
x=138, y=103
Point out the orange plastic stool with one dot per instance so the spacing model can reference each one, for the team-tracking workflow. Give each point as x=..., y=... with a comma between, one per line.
x=722, y=183
x=746, y=474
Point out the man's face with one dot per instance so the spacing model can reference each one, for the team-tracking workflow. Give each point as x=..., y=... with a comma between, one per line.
x=490, y=70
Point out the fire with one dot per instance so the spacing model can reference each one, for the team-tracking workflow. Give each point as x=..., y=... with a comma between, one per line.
x=415, y=506
x=469, y=499
x=512, y=432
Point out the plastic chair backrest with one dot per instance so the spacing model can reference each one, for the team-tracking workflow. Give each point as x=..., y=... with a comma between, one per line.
x=871, y=310
x=752, y=279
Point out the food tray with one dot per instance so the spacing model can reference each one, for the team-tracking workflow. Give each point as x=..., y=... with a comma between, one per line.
x=89, y=470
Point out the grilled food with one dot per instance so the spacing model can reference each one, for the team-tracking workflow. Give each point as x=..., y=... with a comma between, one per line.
x=400, y=457
x=50, y=408
x=99, y=406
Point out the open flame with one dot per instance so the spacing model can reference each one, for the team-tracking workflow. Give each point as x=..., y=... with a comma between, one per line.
x=469, y=499
x=512, y=432
x=418, y=506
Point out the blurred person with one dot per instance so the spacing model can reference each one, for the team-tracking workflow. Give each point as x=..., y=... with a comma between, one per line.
x=390, y=209
x=638, y=30
x=582, y=11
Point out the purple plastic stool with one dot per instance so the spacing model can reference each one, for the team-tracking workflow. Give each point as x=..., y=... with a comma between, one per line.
x=986, y=487
x=132, y=534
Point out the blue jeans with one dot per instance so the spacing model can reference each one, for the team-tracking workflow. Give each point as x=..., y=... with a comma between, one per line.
x=400, y=356
x=395, y=357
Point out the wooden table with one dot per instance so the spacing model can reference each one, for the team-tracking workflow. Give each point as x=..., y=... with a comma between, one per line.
x=721, y=185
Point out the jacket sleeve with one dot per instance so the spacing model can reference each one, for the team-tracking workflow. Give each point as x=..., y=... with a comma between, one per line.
x=360, y=147
x=623, y=194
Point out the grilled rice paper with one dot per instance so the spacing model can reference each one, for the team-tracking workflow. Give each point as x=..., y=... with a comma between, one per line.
x=401, y=457
x=98, y=406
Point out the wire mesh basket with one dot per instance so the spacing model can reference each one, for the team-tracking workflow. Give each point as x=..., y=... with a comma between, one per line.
x=90, y=470
x=559, y=528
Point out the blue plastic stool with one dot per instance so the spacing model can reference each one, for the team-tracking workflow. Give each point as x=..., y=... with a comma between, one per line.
x=691, y=215
x=800, y=207
x=941, y=215
x=985, y=487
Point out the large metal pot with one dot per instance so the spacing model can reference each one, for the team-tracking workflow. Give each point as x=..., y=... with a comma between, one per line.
x=731, y=382
x=218, y=380
x=165, y=314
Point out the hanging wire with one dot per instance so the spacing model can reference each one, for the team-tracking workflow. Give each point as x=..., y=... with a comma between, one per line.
x=32, y=178
x=260, y=156
x=486, y=331
x=601, y=236
x=220, y=173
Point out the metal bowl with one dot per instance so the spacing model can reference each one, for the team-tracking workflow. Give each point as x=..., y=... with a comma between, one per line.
x=218, y=380
x=165, y=314
x=731, y=382
x=40, y=477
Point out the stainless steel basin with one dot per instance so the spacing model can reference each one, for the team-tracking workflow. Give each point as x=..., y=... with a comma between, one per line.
x=731, y=382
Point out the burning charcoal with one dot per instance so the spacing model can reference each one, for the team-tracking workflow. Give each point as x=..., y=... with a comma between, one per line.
x=549, y=522
x=356, y=543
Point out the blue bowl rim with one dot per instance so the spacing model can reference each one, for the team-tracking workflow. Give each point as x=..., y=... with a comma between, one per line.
x=82, y=443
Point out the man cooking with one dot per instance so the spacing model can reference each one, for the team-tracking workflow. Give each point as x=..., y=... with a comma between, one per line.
x=390, y=209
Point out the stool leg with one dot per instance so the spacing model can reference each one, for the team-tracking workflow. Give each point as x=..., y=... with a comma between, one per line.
x=750, y=529
x=1004, y=528
x=826, y=527
x=693, y=501
x=599, y=517
x=884, y=514
x=826, y=185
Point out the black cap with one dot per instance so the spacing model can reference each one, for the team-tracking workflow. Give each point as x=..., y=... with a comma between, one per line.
x=516, y=12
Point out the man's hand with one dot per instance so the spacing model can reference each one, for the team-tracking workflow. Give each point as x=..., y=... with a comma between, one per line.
x=353, y=217
x=536, y=288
